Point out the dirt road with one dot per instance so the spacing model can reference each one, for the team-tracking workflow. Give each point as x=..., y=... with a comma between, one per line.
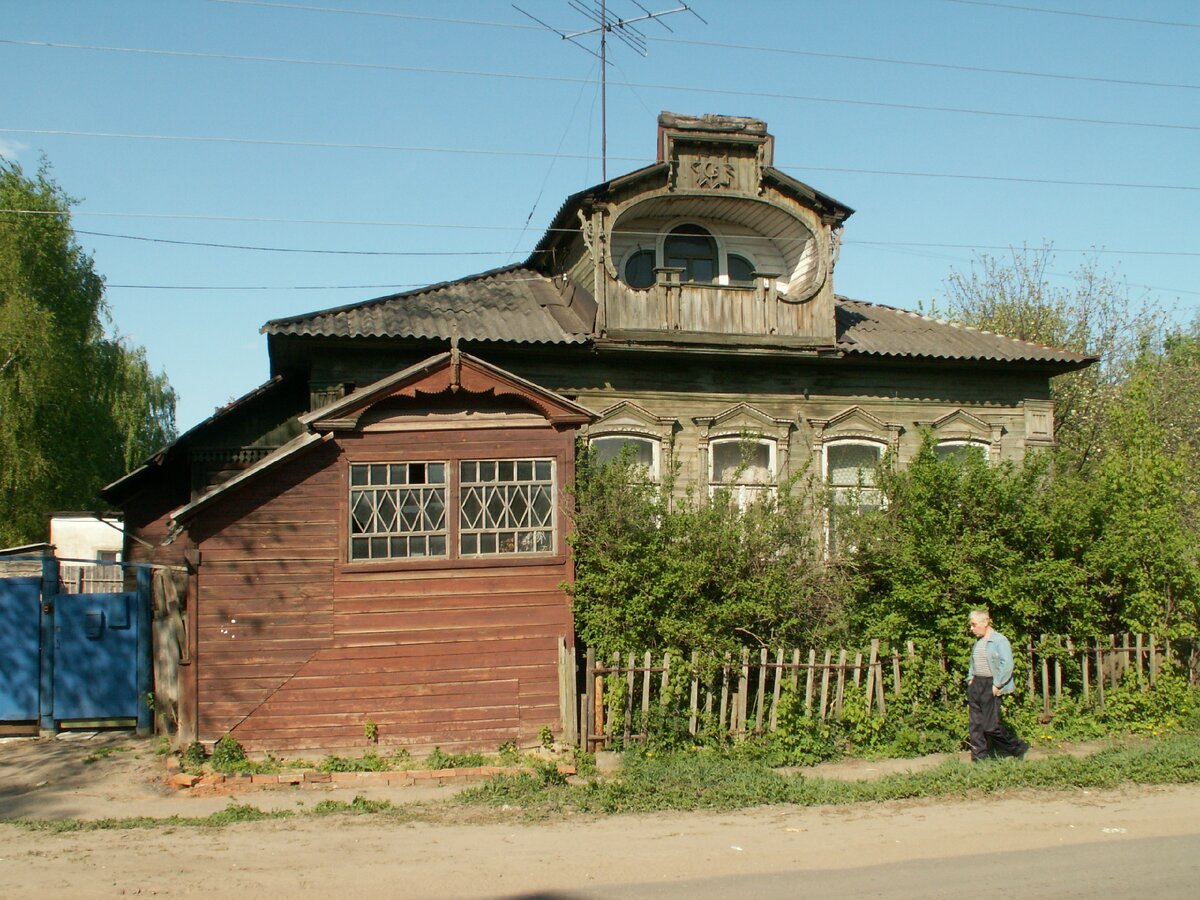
x=1135, y=842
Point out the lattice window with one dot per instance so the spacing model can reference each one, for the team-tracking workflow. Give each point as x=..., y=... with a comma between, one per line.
x=506, y=506
x=397, y=510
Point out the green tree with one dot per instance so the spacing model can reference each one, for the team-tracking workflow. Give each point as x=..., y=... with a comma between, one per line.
x=78, y=407
x=657, y=570
x=1093, y=315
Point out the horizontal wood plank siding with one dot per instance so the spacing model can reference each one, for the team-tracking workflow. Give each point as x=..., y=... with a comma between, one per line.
x=299, y=648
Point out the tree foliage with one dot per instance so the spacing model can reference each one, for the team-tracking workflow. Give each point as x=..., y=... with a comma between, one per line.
x=657, y=570
x=77, y=407
x=1094, y=315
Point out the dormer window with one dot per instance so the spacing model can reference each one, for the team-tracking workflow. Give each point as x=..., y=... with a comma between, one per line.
x=741, y=270
x=698, y=256
x=639, y=269
x=692, y=249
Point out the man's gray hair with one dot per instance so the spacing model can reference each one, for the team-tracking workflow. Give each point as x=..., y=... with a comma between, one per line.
x=980, y=615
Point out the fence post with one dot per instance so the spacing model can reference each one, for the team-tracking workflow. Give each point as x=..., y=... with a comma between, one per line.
x=778, y=689
x=874, y=657
x=629, y=696
x=895, y=655
x=666, y=678
x=1138, y=651
x=1153, y=661
x=808, y=682
x=725, y=694
x=743, y=690
x=1045, y=678
x=1099, y=673
x=825, y=683
x=694, y=699
x=761, y=692
x=841, y=681
x=585, y=717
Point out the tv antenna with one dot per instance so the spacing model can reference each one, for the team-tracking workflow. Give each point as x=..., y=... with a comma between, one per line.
x=624, y=29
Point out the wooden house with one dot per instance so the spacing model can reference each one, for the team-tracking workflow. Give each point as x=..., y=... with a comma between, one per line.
x=377, y=534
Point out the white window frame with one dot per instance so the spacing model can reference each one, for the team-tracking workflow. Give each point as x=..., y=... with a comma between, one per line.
x=390, y=487
x=984, y=447
x=655, y=467
x=744, y=492
x=830, y=515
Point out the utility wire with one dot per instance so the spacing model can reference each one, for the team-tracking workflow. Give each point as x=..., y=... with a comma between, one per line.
x=566, y=79
x=756, y=48
x=622, y=233
x=1071, y=12
x=405, y=148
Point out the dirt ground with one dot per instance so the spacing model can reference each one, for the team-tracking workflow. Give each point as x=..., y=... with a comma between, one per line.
x=644, y=855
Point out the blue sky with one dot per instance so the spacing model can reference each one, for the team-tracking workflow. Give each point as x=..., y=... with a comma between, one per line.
x=413, y=141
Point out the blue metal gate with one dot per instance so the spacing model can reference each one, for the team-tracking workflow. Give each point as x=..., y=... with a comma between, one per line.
x=73, y=657
x=20, y=614
x=95, y=656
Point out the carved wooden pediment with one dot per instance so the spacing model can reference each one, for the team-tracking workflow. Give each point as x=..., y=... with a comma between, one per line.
x=856, y=422
x=962, y=425
x=452, y=380
x=742, y=418
x=627, y=417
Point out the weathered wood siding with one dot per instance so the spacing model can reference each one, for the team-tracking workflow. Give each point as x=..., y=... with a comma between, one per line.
x=298, y=648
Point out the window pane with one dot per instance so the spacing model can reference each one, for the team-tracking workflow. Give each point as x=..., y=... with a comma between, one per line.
x=606, y=449
x=752, y=459
x=692, y=248
x=394, y=512
x=960, y=450
x=853, y=464
x=741, y=270
x=639, y=269
x=501, y=514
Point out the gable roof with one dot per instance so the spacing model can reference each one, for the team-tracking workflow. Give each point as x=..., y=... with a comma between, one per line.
x=447, y=372
x=870, y=329
x=514, y=304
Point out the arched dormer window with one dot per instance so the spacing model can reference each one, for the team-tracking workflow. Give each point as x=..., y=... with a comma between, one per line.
x=639, y=269
x=741, y=270
x=691, y=248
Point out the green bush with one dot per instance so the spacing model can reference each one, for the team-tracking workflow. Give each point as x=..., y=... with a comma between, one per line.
x=227, y=754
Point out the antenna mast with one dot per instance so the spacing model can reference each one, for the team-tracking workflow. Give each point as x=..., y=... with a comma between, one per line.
x=625, y=30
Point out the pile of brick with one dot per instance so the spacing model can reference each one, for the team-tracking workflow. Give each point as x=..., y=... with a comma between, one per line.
x=216, y=783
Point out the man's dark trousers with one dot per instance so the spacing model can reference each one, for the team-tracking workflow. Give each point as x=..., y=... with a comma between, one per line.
x=984, y=708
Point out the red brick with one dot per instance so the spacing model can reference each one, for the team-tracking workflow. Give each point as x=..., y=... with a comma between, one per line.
x=317, y=778
x=212, y=779
x=290, y=777
x=264, y=779
x=182, y=780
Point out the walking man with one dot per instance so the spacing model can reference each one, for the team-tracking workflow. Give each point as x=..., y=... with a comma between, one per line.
x=989, y=677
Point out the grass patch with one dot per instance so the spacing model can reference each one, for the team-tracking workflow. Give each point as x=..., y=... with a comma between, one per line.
x=233, y=814
x=687, y=781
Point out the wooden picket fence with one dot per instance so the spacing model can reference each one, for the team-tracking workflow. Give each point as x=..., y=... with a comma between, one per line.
x=743, y=695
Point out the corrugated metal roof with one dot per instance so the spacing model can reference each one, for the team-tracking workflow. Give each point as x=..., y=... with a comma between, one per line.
x=513, y=304
x=519, y=305
x=872, y=329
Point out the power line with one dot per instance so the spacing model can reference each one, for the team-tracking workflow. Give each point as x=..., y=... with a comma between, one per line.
x=210, y=244
x=1076, y=13
x=565, y=79
x=407, y=148
x=755, y=48
x=622, y=233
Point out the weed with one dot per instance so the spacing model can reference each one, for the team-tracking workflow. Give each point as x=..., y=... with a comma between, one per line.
x=360, y=805
x=371, y=731
x=546, y=736
x=194, y=758
x=227, y=754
